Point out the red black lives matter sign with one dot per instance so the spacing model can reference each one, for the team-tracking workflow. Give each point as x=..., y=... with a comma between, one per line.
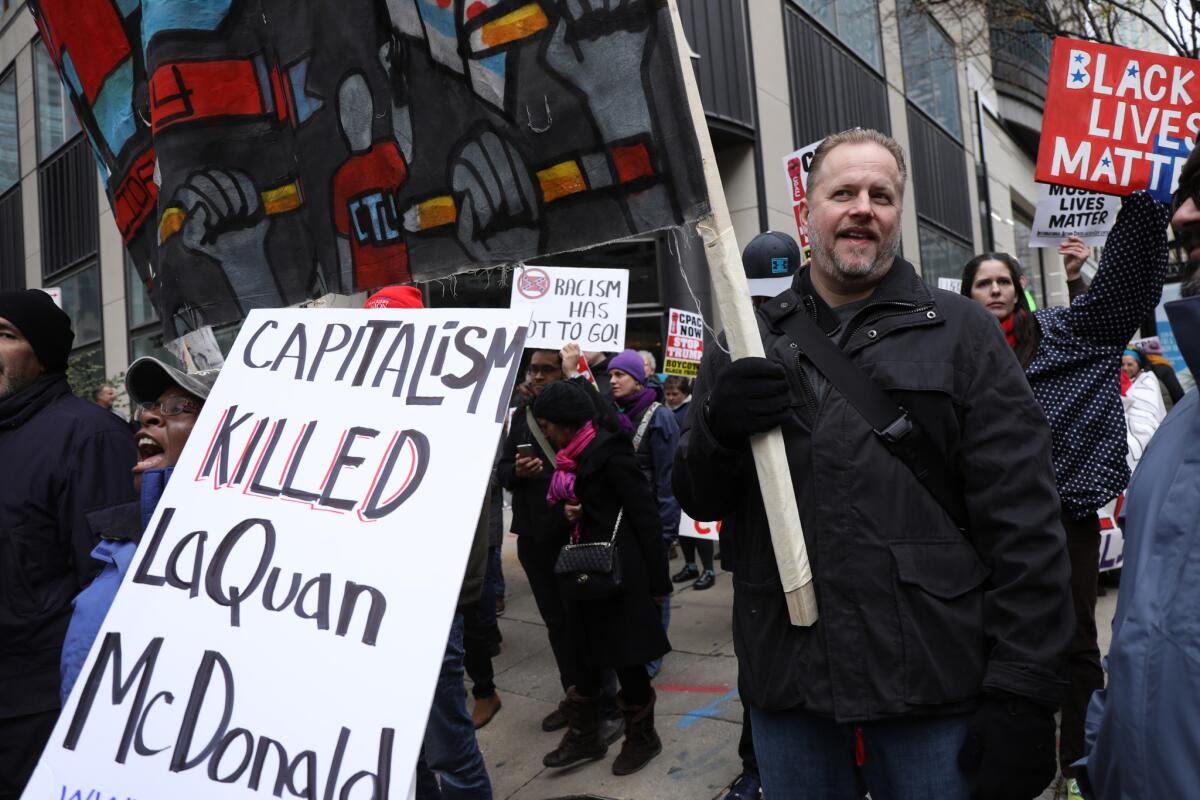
x=1118, y=120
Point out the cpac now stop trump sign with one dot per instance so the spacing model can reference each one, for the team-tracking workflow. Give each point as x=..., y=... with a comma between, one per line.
x=1118, y=120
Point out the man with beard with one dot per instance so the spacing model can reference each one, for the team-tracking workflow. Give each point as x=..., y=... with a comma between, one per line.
x=933, y=668
x=1141, y=729
x=60, y=456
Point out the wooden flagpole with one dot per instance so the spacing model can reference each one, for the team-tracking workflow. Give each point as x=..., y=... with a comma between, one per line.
x=732, y=295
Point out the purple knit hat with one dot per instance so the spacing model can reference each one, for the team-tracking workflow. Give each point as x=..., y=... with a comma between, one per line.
x=630, y=362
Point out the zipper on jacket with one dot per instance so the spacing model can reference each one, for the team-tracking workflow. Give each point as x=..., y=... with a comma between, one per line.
x=908, y=308
x=809, y=395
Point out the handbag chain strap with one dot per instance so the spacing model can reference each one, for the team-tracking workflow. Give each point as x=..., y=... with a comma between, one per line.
x=644, y=424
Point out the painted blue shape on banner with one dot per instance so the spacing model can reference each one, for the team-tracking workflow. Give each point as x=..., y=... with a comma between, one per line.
x=127, y=7
x=113, y=107
x=1177, y=149
x=306, y=104
x=168, y=15
x=68, y=70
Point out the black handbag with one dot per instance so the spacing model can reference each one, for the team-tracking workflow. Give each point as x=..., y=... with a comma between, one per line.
x=591, y=570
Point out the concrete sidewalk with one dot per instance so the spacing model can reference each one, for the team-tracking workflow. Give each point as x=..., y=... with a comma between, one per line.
x=699, y=716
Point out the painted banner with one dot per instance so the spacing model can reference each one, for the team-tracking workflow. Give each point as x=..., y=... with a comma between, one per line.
x=1142, y=113
x=1112, y=538
x=795, y=168
x=261, y=154
x=283, y=622
x=696, y=529
x=1063, y=211
x=573, y=304
x=685, y=343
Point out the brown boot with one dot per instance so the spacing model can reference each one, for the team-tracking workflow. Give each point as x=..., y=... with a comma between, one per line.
x=485, y=708
x=641, y=740
x=582, y=741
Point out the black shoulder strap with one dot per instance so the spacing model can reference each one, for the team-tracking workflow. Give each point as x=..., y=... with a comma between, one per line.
x=891, y=423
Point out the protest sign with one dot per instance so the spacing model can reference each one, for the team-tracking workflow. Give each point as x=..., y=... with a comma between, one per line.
x=696, y=529
x=795, y=167
x=1063, y=211
x=573, y=304
x=950, y=284
x=1162, y=323
x=283, y=622
x=685, y=343
x=1112, y=538
x=256, y=159
x=1142, y=116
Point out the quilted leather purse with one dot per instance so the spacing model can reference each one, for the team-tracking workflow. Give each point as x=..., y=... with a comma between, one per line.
x=592, y=570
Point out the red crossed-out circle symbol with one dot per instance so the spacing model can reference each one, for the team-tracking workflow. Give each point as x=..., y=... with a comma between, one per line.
x=533, y=283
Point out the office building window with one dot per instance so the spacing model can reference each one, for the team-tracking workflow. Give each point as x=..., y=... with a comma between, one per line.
x=930, y=68
x=81, y=301
x=10, y=161
x=854, y=22
x=138, y=308
x=1030, y=257
x=56, y=122
x=942, y=255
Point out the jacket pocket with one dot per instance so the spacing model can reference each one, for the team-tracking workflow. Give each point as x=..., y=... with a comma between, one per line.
x=17, y=564
x=940, y=598
x=770, y=652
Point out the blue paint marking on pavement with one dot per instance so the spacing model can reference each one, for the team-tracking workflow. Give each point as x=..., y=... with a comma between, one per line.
x=709, y=710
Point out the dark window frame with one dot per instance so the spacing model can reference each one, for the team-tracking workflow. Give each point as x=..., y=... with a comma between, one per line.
x=881, y=70
x=37, y=128
x=79, y=267
x=11, y=72
x=932, y=21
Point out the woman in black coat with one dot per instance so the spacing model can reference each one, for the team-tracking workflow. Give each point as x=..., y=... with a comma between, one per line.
x=598, y=480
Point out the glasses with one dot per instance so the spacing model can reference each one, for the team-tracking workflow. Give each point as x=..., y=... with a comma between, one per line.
x=535, y=369
x=171, y=407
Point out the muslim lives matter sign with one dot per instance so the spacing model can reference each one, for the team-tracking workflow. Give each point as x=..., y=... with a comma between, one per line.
x=1063, y=211
x=1118, y=120
x=573, y=304
x=282, y=625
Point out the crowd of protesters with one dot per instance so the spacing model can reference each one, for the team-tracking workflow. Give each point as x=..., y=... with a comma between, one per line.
x=955, y=548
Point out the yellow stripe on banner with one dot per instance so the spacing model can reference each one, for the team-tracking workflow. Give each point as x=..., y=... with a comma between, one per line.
x=281, y=199
x=561, y=180
x=171, y=223
x=519, y=24
x=437, y=211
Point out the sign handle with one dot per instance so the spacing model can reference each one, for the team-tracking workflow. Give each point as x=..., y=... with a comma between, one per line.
x=732, y=295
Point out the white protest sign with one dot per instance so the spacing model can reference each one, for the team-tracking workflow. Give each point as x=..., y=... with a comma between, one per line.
x=55, y=293
x=696, y=529
x=1063, y=211
x=573, y=304
x=1112, y=538
x=795, y=168
x=685, y=343
x=950, y=284
x=283, y=623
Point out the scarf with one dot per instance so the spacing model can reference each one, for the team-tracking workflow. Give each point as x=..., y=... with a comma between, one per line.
x=1009, y=325
x=634, y=406
x=17, y=409
x=1126, y=384
x=566, y=461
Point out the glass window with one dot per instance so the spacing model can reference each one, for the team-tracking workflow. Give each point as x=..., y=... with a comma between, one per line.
x=854, y=22
x=1030, y=257
x=81, y=301
x=56, y=122
x=942, y=256
x=930, y=68
x=10, y=163
x=149, y=343
x=138, y=306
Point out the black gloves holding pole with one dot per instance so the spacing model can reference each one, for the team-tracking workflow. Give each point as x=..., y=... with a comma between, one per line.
x=749, y=396
x=1009, y=750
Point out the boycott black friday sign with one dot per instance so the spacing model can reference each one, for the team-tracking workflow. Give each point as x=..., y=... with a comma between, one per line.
x=1064, y=211
x=573, y=304
x=282, y=625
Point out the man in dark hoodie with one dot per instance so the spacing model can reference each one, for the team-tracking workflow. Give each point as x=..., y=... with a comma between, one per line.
x=60, y=456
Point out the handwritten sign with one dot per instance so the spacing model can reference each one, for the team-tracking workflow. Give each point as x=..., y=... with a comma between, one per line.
x=1118, y=120
x=1063, y=211
x=696, y=529
x=572, y=304
x=283, y=622
x=795, y=167
x=685, y=343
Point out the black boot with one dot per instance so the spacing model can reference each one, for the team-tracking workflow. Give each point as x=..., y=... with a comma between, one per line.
x=641, y=740
x=582, y=741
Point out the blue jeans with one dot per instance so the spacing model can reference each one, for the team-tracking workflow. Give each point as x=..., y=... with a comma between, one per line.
x=912, y=758
x=450, y=748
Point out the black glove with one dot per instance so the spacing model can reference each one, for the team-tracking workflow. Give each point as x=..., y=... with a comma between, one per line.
x=1009, y=750
x=749, y=396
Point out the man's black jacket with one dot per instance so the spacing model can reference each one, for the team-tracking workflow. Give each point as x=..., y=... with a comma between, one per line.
x=531, y=515
x=916, y=616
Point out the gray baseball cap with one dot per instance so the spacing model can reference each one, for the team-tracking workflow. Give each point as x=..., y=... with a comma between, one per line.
x=148, y=377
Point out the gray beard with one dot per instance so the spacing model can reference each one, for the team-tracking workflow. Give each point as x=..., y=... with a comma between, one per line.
x=823, y=257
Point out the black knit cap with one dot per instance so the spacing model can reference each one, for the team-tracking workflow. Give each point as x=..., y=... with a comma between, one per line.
x=45, y=325
x=564, y=402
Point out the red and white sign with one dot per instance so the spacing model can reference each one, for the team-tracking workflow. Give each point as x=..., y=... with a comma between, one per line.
x=573, y=304
x=1118, y=120
x=696, y=529
x=795, y=167
x=685, y=343
x=1112, y=538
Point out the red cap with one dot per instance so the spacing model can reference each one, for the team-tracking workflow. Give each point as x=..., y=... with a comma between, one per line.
x=396, y=297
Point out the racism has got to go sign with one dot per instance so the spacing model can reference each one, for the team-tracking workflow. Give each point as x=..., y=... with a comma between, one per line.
x=573, y=304
x=685, y=343
x=1142, y=113
x=282, y=625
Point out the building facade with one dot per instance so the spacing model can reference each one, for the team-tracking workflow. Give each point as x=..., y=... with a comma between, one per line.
x=774, y=75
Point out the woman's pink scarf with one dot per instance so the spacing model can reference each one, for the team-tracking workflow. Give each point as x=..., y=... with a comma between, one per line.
x=562, y=482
